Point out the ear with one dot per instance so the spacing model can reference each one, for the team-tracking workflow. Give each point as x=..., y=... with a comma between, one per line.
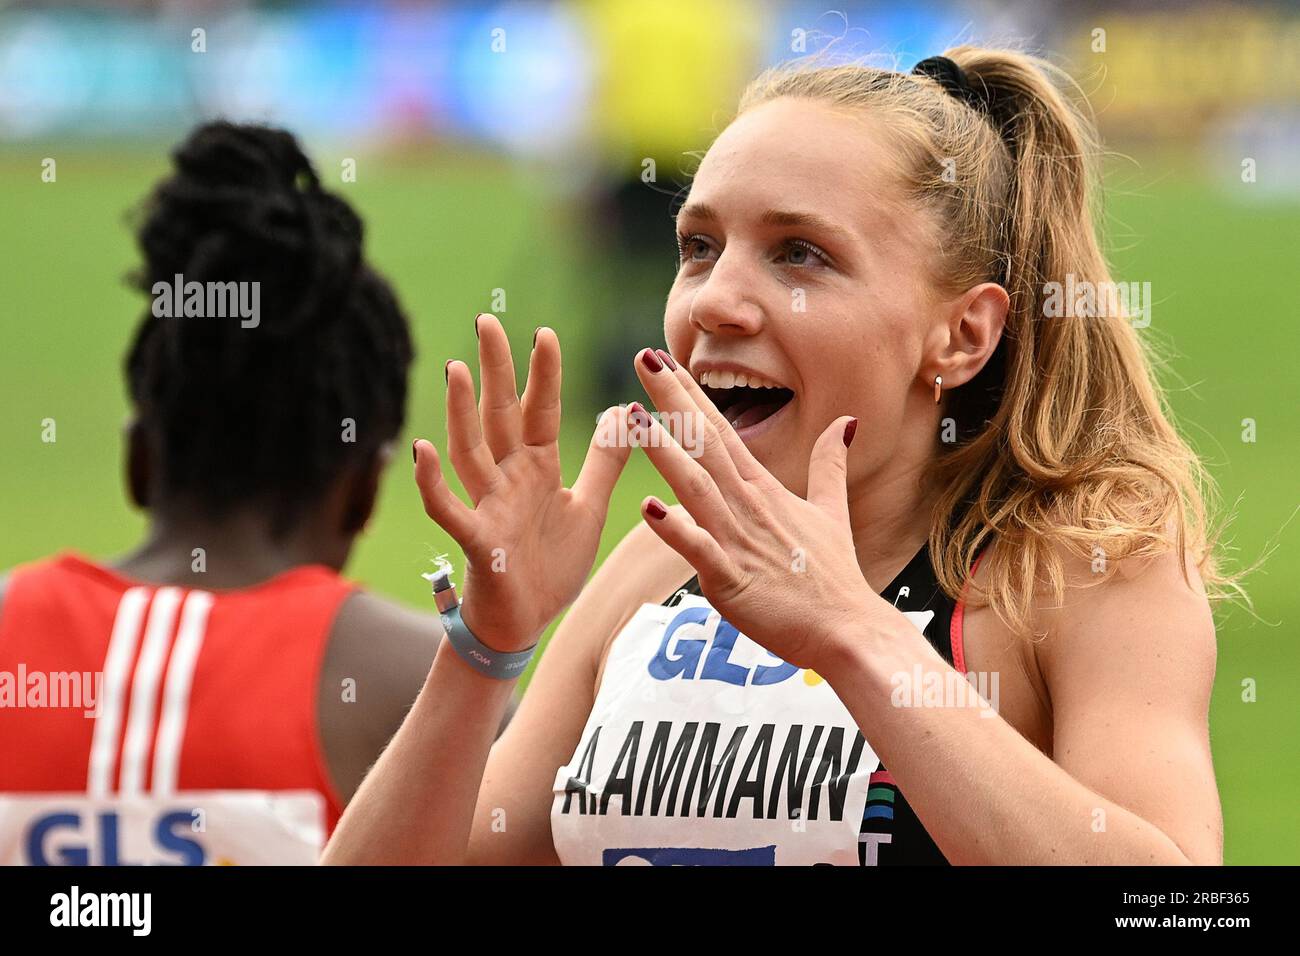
x=363, y=490
x=963, y=345
x=139, y=463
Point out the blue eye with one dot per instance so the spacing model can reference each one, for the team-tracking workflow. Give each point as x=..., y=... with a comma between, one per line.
x=693, y=248
x=799, y=252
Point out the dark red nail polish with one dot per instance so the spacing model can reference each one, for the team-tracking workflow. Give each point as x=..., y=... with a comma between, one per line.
x=415, y=457
x=655, y=510
x=651, y=361
x=668, y=359
x=849, y=429
x=639, y=415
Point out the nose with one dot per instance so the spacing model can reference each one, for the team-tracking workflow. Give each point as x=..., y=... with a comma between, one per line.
x=725, y=303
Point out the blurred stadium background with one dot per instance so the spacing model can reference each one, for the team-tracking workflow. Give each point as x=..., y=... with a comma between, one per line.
x=503, y=150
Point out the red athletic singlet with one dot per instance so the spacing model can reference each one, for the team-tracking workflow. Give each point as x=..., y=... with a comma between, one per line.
x=158, y=724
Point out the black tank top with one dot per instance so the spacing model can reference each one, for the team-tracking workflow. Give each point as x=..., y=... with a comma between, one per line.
x=889, y=824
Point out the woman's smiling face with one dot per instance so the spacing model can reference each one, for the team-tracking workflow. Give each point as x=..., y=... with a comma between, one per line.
x=800, y=262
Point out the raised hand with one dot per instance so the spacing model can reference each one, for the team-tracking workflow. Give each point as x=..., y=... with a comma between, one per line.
x=529, y=542
x=781, y=568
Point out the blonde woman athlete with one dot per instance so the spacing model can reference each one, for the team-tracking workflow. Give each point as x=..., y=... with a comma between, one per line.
x=911, y=470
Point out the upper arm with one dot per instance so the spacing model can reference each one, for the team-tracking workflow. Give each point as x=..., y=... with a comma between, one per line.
x=378, y=656
x=1129, y=666
x=512, y=823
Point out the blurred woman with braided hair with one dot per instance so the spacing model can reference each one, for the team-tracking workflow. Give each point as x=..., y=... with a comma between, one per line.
x=240, y=686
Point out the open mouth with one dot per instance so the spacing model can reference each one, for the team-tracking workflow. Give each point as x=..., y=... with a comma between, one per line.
x=744, y=406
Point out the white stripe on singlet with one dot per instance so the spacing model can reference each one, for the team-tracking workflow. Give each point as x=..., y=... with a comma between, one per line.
x=117, y=661
x=176, y=691
x=144, y=689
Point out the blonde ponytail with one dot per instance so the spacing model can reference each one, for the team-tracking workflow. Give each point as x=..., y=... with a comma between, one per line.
x=1064, y=441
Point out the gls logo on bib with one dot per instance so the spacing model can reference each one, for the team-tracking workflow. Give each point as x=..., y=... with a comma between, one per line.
x=681, y=656
x=68, y=839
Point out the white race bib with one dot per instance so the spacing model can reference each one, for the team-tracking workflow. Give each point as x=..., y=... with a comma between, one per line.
x=222, y=828
x=704, y=748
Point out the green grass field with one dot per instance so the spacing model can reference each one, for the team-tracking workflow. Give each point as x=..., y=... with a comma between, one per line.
x=448, y=230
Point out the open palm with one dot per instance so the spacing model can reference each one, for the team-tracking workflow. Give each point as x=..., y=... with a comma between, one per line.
x=529, y=542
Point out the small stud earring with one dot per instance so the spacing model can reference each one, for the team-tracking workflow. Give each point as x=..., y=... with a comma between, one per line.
x=938, y=385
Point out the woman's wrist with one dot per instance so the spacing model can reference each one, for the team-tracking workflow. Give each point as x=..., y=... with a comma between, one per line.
x=872, y=644
x=501, y=640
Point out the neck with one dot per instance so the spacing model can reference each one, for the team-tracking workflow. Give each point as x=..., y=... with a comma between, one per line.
x=890, y=515
x=238, y=550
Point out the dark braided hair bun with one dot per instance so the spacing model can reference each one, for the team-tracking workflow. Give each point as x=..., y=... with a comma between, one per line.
x=257, y=412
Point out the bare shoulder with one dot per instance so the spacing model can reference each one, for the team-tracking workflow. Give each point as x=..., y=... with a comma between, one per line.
x=394, y=642
x=1129, y=657
x=378, y=656
x=1138, y=623
x=1144, y=609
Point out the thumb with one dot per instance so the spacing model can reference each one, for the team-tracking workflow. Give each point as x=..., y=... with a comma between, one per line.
x=828, y=468
x=606, y=456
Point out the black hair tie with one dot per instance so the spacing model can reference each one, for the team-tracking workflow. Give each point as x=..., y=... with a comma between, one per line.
x=956, y=82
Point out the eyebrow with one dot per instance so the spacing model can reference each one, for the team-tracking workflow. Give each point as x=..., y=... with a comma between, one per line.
x=770, y=217
x=698, y=210
x=777, y=217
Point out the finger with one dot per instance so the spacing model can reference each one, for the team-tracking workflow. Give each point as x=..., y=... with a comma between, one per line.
x=440, y=502
x=541, y=402
x=746, y=464
x=606, y=456
x=693, y=485
x=678, y=530
x=469, y=454
x=828, y=468
x=499, y=409
x=688, y=422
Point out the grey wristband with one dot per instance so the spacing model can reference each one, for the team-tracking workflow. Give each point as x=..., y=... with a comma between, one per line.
x=495, y=664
